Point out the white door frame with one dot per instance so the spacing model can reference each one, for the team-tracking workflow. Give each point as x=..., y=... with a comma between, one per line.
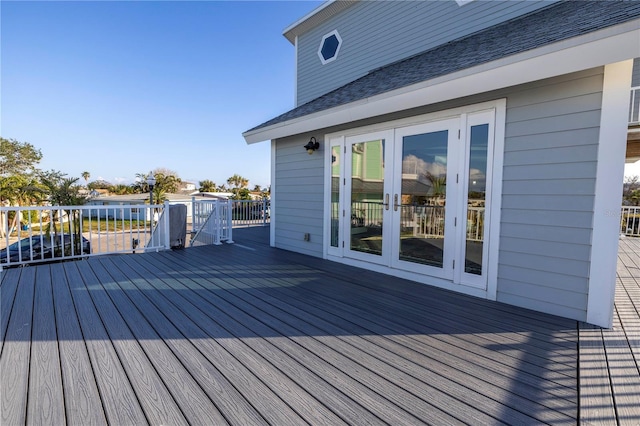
x=495, y=164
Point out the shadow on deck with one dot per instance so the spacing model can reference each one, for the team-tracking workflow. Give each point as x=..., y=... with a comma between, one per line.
x=248, y=334
x=610, y=359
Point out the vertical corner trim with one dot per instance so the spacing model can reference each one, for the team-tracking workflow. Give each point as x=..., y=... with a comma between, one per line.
x=272, y=220
x=608, y=192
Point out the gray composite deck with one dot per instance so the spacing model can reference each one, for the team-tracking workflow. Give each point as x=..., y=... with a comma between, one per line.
x=610, y=359
x=247, y=334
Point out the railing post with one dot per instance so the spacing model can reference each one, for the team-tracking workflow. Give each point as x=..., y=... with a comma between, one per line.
x=216, y=222
x=167, y=227
x=229, y=221
x=193, y=215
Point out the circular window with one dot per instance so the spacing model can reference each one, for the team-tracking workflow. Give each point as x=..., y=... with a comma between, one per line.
x=329, y=47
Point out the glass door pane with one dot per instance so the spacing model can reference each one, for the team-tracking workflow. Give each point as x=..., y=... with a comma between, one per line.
x=476, y=199
x=367, y=188
x=423, y=198
x=335, y=196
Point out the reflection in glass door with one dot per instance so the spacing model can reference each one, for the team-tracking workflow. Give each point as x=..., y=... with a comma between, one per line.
x=422, y=198
x=367, y=197
x=476, y=199
x=416, y=198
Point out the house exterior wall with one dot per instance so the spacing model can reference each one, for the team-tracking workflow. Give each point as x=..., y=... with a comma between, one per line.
x=552, y=132
x=551, y=147
x=375, y=34
x=299, y=198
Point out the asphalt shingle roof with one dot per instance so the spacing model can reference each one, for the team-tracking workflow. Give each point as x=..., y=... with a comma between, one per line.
x=554, y=23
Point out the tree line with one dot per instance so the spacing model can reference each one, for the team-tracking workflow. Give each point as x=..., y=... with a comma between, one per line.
x=23, y=183
x=631, y=191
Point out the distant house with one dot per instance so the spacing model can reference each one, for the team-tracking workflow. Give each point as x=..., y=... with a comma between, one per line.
x=218, y=195
x=118, y=201
x=187, y=186
x=471, y=145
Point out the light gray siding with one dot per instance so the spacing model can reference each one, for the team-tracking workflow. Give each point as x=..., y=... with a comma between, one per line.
x=299, y=195
x=635, y=76
x=377, y=33
x=551, y=145
x=548, y=193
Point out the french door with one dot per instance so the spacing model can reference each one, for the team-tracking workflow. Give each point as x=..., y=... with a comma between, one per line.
x=417, y=198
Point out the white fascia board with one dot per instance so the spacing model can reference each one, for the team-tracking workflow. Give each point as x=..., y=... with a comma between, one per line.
x=316, y=17
x=608, y=193
x=607, y=46
x=289, y=31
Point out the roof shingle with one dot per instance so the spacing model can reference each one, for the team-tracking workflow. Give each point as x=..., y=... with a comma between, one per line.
x=557, y=22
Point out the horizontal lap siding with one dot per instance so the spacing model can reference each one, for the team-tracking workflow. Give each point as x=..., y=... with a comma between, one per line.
x=375, y=34
x=299, y=196
x=548, y=192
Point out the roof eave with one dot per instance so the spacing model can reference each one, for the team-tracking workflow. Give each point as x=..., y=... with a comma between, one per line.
x=314, y=18
x=606, y=46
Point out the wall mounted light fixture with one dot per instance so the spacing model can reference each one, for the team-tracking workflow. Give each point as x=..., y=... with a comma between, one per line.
x=312, y=145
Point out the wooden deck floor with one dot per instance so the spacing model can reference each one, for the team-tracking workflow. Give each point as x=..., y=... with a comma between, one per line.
x=246, y=334
x=610, y=359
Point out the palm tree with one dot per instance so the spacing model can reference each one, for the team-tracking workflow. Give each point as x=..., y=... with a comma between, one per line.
x=237, y=182
x=64, y=191
x=121, y=189
x=207, y=186
x=86, y=176
x=438, y=185
x=17, y=190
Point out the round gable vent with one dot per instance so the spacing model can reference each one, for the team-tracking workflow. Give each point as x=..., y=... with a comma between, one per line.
x=329, y=47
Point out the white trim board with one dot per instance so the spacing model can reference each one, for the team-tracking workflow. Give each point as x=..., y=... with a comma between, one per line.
x=607, y=46
x=608, y=192
x=273, y=218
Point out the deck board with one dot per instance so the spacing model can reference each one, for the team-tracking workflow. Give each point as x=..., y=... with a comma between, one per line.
x=218, y=389
x=445, y=323
x=158, y=404
x=241, y=325
x=8, y=286
x=82, y=398
x=386, y=348
x=267, y=388
x=147, y=324
x=46, y=398
x=16, y=353
x=329, y=330
x=334, y=352
x=119, y=400
x=248, y=334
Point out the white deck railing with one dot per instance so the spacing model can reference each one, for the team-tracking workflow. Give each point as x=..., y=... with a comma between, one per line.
x=423, y=221
x=251, y=212
x=211, y=222
x=634, y=106
x=630, y=221
x=38, y=234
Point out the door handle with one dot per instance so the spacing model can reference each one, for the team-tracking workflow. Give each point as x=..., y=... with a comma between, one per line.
x=386, y=202
x=395, y=203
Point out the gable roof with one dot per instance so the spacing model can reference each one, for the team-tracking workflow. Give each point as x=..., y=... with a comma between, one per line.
x=557, y=22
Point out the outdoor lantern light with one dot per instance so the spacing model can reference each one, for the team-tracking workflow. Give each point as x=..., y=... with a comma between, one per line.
x=312, y=145
x=151, y=181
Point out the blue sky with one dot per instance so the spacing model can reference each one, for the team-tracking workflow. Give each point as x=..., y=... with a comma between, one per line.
x=119, y=88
